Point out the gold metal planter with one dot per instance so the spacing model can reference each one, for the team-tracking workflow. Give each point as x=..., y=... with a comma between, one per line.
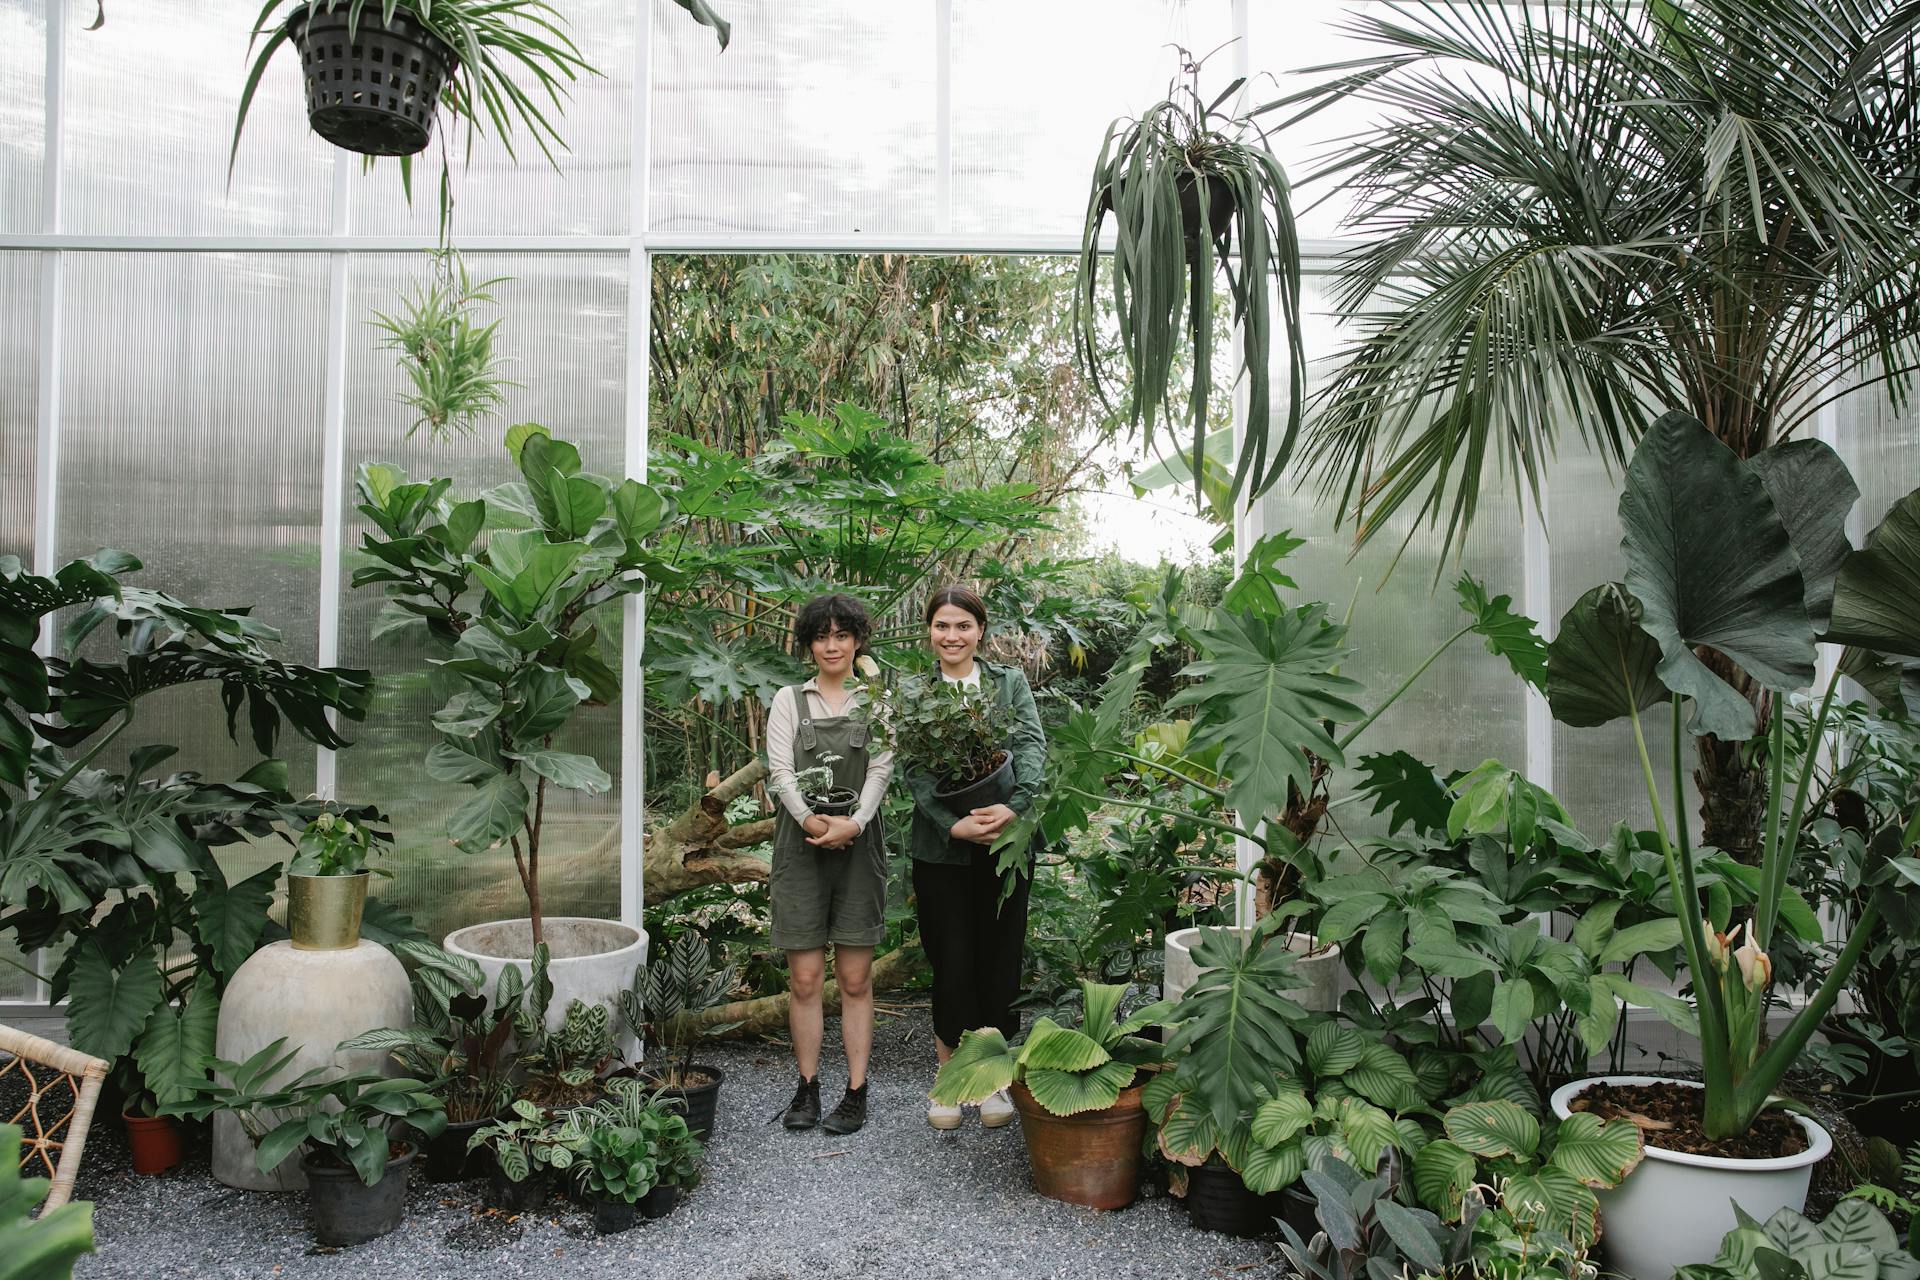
x=323, y=912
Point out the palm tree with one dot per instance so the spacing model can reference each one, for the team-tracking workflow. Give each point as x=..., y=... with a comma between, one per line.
x=1573, y=216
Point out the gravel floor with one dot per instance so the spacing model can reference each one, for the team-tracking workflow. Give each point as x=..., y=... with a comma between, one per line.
x=896, y=1199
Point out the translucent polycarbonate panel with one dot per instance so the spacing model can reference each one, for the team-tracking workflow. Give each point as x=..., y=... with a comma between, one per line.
x=23, y=112
x=1596, y=772
x=150, y=107
x=586, y=190
x=1469, y=706
x=1036, y=85
x=1285, y=41
x=817, y=118
x=565, y=330
x=1881, y=443
x=190, y=436
x=19, y=396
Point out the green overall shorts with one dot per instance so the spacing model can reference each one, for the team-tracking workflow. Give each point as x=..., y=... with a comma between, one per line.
x=825, y=895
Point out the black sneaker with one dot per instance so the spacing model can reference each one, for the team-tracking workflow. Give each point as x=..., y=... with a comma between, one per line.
x=850, y=1115
x=804, y=1111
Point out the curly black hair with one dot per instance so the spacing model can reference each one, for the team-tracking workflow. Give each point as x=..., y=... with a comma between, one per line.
x=822, y=614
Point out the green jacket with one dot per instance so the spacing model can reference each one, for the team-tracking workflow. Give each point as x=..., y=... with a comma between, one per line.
x=932, y=820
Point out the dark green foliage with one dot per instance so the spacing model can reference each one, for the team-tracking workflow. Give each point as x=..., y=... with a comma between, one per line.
x=679, y=981
x=957, y=734
x=43, y=1248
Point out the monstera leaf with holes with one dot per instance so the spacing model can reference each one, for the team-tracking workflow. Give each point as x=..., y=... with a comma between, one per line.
x=1068, y=1070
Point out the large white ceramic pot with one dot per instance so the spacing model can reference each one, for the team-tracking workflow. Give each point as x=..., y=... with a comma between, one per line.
x=593, y=960
x=1320, y=966
x=1673, y=1210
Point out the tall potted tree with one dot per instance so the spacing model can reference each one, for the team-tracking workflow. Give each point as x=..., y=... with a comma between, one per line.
x=1706, y=204
x=517, y=611
x=1750, y=558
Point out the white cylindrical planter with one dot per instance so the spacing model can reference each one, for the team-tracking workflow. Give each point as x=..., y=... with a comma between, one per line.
x=1674, y=1209
x=314, y=999
x=592, y=960
x=1320, y=967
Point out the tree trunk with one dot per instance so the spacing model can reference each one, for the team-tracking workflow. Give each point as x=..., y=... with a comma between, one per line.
x=699, y=848
x=1732, y=777
x=768, y=1014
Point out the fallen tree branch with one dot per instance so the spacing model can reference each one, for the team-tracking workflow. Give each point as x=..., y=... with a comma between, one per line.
x=699, y=848
x=768, y=1014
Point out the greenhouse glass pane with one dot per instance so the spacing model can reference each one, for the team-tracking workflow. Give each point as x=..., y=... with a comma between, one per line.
x=809, y=122
x=191, y=437
x=1469, y=706
x=19, y=410
x=586, y=190
x=23, y=116
x=565, y=330
x=1881, y=444
x=1035, y=87
x=143, y=156
x=1285, y=39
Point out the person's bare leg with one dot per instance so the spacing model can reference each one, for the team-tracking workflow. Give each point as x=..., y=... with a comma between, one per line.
x=806, y=975
x=941, y=1051
x=853, y=970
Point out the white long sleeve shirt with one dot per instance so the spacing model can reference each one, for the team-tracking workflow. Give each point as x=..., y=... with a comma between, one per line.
x=783, y=721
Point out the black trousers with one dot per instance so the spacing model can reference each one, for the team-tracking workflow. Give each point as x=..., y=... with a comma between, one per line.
x=976, y=947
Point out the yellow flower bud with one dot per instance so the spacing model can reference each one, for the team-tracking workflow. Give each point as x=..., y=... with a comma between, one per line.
x=1717, y=944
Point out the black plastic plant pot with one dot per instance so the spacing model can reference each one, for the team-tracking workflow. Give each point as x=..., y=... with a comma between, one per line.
x=377, y=92
x=611, y=1217
x=701, y=1103
x=345, y=1210
x=448, y=1159
x=660, y=1202
x=1219, y=207
x=995, y=788
x=840, y=802
x=1217, y=1200
x=511, y=1197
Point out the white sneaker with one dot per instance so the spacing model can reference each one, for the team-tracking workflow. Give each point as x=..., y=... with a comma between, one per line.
x=942, y=1116
x=996, y=1110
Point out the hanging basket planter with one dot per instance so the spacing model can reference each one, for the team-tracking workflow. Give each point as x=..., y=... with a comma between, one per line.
x=376, y=92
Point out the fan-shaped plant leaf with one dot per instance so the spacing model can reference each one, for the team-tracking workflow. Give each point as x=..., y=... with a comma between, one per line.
x=1876, y=600
x=1812, y=491
x=1280, y=1117
x=981, y=1065
x=1493, y=1128
x=1068, y=1093
x=1602, y=665
x=1052, y=1046
x=1712, y=564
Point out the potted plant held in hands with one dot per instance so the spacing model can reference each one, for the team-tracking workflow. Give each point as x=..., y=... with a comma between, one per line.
x=1077, y=1091
x=1748, y=559
x=957, y=734
x=518, y=613
x=822, y=797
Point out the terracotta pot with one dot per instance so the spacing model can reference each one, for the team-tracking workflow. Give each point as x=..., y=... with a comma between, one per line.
x=1092, y=1158
x=155, y=1141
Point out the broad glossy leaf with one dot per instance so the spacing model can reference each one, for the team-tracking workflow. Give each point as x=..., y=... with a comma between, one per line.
x=1493, y=1128
x=1050, y=1045
x=1367, y=1130
x=981, y=1065
x=546, y=698
x=229, y=919
x=1383, y=1078
x=1712, y=564
x=1281, y=1117
x=1602, y=665
x=1596, y=1152
x=1069, y=1093
x=1406, y=789
x=175, y=1044
x=1443, y=1170
x=1857, y=1222
x=490, y=815
x=1638, y=939
x=1812, y=491
x=1876, y=601
x=1188, y=1135
x=1563, y=1204
x=108, y=1007
x=468, y=712
x=1839, y=1262
x=568, y=769
x=1333, y=1049
x=1269, y=1169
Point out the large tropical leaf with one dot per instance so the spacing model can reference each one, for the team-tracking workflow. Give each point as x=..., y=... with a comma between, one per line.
x=1509, y=634
x=1812, y=491
x=229, y=919
x=1187, y=1133
x=1068, y=1093
x=43, y=1247
x=1050, y=1046
x=1268, y=1169
x=1493, y=1128
x=1602, y=665
x=1443, y=1171
x=1564, y=1204
x=1876, y=601
x=1281, y=1117
x=1240, y=1033
x=175, y=1044
x=1596, y=1152
x=106, y=1006
x=1712, y=564
x=1406, y=789
x=1264, y=693
x=981, y=1065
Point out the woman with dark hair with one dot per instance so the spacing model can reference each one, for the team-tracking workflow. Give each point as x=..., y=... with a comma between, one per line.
x=975, y=943
x=829, y=875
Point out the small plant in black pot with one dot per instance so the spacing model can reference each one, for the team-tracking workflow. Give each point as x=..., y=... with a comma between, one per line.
x=663, y=1008
x=615, y=1166
x=957, y=734
x=525, y=1144
x=818, y=790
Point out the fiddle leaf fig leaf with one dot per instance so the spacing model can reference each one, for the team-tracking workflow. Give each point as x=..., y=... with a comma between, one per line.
x=1712, y=564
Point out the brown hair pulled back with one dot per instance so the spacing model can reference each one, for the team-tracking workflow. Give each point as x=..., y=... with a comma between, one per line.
x=960, y=598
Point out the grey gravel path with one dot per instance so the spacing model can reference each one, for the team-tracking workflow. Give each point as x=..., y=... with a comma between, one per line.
x=902, y=1201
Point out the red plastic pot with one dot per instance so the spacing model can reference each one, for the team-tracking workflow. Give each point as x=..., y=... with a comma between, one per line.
x=155, y=1141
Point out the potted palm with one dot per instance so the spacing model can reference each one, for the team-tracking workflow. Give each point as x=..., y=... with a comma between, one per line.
x=1748, y=559
x=1194, y=193
x=327, y=882
x=517, y=613
x=1077, y=1090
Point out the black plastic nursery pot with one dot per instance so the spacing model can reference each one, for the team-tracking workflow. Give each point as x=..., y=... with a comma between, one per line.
x=1217, y=1200
x=511, y=1197
x=839, y=802
x=995, y=788
x=611, y=1217
x=660, y=1202
x=448, y=1159
x=346, y=1211
x=376, y=92
x=701, y=1103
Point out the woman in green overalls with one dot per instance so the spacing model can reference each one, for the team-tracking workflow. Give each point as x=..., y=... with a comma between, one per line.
x=829, y=877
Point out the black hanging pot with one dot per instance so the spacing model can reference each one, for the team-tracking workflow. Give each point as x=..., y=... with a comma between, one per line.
x=1219, y=207
x=375, y=93
x=994, y=788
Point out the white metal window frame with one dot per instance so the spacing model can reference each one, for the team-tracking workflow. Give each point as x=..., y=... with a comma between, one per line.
x=639, y=246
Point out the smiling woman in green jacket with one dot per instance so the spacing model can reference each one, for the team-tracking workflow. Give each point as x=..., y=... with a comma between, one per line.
x=975, y=944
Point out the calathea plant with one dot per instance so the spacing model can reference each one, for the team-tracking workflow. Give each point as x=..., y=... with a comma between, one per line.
x=525, y=647
x=1748, y=559
x=677, y=983
x=1855, y=1240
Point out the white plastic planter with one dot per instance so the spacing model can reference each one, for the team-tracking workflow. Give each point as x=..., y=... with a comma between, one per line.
x=1321, y=967
x=593, y=960
x=1673, y=1210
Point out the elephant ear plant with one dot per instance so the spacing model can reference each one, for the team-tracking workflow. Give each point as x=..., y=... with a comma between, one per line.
x=524, y=649
x=1747, y=560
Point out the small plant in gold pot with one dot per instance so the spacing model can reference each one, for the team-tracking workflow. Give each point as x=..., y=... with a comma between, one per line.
x=327, y=882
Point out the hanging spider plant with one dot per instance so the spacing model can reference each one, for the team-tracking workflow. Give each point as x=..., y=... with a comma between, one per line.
x=446, y=352
x=1195, y=194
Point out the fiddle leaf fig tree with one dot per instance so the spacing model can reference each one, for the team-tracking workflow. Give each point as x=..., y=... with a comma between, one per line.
x=512, y=584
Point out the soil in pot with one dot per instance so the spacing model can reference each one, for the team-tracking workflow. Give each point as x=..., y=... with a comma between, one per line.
x=698, y=1093
x=345, y=1210
x=1217, y=1200
x=155, y=1141
x=611, y=1217
x=660, y=1201
x=1669, y=1117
